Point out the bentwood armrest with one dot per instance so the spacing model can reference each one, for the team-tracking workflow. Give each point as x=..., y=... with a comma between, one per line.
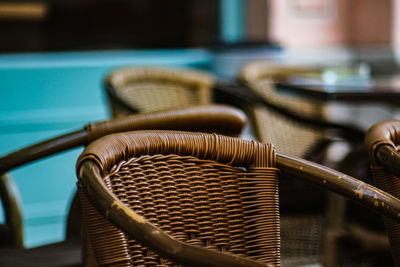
x=382, y=141
x=210, y=118
x=222, y=119
x=117, y=170
x=345, y=185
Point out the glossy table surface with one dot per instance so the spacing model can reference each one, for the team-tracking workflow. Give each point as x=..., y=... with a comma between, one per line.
x=383, y=90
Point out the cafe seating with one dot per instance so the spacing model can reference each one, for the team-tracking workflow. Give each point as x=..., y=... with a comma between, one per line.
x=164, y=198
x=137, y=90
x=382, y=141
x=301, y=138
x=213, y=118
x=298, y=126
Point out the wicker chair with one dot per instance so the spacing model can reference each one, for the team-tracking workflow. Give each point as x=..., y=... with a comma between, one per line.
x=299, y=138
x=382, y=141
x=307, y=134
x=216, y=118
x=163, y=198
x=137, y=90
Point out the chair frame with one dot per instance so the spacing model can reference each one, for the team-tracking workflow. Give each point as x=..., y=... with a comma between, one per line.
x=90, y=171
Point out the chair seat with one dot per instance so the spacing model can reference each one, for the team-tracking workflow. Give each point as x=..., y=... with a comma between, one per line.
x=66, y=254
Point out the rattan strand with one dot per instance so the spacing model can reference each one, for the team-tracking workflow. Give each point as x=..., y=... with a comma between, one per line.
x=197, y=200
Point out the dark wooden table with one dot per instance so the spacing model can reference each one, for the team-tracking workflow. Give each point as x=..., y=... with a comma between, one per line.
x=382, y=92
x=359, y=105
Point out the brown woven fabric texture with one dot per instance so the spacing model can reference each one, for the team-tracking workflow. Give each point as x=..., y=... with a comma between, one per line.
x=269, y=124
x=154, y=89
x=204, y=189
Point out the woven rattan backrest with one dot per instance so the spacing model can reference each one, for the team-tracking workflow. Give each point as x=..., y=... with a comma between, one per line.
x=204, y=189
x=288, y=135
x=261, y=76
x=152, y=89
x=386, y=133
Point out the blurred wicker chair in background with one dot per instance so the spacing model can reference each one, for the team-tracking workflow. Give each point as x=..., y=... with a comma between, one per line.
x=298, y=126
x=137, y=90
x=164, y=198
x=299, y=139
x=214, y=118
x=383, y=141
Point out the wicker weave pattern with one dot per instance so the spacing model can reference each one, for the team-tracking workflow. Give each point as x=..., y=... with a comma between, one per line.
x=269, y=125
x=291, y=137
x=152, y=96
x=294, y=250
x=150, y=89
x=199, y=201
x=196, y=201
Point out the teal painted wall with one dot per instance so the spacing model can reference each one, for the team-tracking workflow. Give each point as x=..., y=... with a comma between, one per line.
x=232, y=20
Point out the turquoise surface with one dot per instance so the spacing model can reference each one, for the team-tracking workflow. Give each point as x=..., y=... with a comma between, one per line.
x=232, y=20
x=45, y=94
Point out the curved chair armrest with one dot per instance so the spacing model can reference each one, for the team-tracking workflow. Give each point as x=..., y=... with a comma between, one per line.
x=382, y=141
x=389, y=157
x=42, y=149
x=345, y=185
x=212, y=118
x=218, y=118
x=145, y=232
x=121, y=77
x=12, y=209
